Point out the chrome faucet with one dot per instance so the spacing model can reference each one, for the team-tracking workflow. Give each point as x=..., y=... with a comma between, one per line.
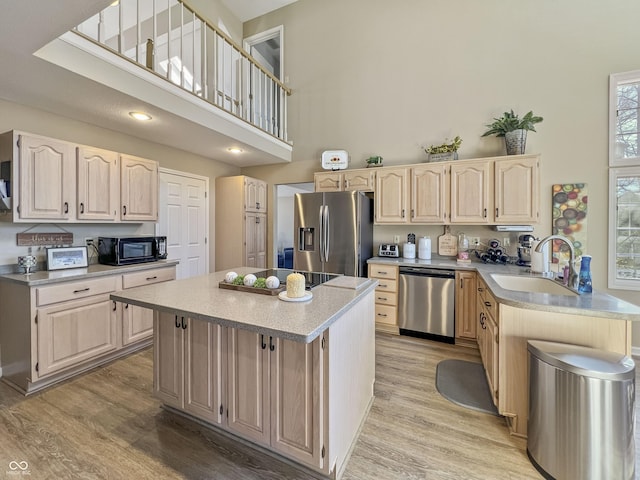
x=573, y=274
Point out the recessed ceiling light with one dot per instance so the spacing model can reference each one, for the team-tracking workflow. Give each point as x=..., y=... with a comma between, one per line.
x=140, y=116
x=235, y=150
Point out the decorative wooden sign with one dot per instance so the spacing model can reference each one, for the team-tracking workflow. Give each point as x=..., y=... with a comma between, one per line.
x=40, y=239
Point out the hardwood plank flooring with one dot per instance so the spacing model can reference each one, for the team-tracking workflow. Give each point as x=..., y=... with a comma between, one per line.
x=106, y=425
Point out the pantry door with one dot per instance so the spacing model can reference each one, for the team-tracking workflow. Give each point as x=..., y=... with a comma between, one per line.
x=184, y=219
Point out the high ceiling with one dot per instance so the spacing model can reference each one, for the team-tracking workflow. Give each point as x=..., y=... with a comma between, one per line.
x=246, y=10
x=26, y=26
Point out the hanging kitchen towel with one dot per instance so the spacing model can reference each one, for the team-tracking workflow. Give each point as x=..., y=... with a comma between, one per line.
x=447, y=244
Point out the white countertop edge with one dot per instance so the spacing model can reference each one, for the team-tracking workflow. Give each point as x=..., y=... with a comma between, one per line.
x=596, y=304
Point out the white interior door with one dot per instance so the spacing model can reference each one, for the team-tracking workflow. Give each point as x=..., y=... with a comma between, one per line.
x=184, y=219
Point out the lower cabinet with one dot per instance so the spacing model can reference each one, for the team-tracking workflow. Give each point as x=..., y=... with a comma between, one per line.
x=488, y=335
x=53, y=331
x=275, y=395
x=72, y=332
x=188, y=365
x=386, y=297
x=466, y=294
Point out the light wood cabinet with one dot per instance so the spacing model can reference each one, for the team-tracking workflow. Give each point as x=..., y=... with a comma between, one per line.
x=255, y=193
x=98, y=185
x=54, y=331
x=58, y=181
x=188, y=365
x=466, y=299
x=241, y=233
x=517, y=190
x=471, y=185
x=275, y=393
x=386, y=297
x=488, y=336
x=345, y=180
x=137, y=322
x=138, y=189
x=391, y=196
x=429, y=193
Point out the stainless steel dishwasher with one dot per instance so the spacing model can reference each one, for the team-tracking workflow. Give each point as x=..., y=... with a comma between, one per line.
x=426, y=299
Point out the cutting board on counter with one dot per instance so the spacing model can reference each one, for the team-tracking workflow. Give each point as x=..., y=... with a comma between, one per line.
x=447, y=244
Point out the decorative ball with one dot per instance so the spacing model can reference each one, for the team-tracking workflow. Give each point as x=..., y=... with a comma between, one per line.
x=249, y=280
x=230, y=277
x=273, y=282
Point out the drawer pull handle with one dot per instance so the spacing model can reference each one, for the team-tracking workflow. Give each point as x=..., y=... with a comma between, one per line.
x=383, y=285
x=184, y=325
x=480, y=289
x=152, y=278
x=382, y=314
x=114, y=305
x=82, y=290
x=81, y=207
x=66, y=207
x=177, y=322
x=384, y=299
x=382, y=273
x=126, y=306
x=488, y=304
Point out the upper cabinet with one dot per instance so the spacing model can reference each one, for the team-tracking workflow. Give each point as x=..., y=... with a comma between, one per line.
x=98, y=185
x=362, y=180
x=517, y=190
x=498, y=190
x=57, y=181
x=255, y=195
x=138, y=189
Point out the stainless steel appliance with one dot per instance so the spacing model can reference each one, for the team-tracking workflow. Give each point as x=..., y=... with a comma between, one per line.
x=524, y=250
x=426, y=299
x=389, y=250
x=131, y=249
x=333, y=232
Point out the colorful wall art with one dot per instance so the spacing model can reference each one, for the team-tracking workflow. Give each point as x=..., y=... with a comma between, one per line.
x=569, y=219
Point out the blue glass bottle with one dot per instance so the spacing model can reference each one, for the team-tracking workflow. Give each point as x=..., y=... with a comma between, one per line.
x=584, y=285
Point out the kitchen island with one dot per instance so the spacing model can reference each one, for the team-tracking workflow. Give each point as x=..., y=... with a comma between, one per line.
x=293, y=378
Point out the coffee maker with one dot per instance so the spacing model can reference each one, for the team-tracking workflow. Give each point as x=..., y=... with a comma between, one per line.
x=524, y=250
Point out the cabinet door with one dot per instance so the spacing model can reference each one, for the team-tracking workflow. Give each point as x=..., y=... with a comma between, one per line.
x=517, y=190
x=138, y=189
x=203, y=370
x=429, y=193
x=466, y=301
x=98, y=185
x=360, y=180
x=255, y=195
x=470, y=187
x=168, y=359
x=137, y=323
x=47, y=179
x=328, y=182
x=391, y=196
x=297, y=400
x=248, y=384
x=261, y=240
x=72, y=332
x=491, y=355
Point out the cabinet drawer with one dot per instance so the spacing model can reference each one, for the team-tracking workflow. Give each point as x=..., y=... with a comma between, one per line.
x=386, y=314
x=74, y=290
x=147, y=277
x=487, y=299
x=387, y=285
x=386, y=298
x=383, y=271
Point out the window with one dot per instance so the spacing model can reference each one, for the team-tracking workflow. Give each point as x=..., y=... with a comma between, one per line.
x=624, y=181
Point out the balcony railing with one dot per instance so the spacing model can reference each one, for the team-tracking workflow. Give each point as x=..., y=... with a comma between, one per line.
x=170, y=39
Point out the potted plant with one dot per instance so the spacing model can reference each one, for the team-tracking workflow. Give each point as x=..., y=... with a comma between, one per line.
x=445, y=151
x=514, y=130
x=375, y=161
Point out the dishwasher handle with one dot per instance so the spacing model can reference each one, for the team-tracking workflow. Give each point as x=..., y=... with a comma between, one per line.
x=427, y=272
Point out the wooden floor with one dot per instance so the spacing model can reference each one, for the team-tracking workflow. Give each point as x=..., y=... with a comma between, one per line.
x=105, y=424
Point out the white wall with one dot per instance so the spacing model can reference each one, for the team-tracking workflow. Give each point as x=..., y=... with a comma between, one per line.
x=385, y=78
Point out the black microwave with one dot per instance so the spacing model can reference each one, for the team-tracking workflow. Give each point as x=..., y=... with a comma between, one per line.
x=128, y=250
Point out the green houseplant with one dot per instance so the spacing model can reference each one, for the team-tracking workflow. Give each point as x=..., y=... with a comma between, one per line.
x=514, y=130
x=444, y=151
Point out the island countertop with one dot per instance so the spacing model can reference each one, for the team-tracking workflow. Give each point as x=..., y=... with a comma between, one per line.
x=202, y=299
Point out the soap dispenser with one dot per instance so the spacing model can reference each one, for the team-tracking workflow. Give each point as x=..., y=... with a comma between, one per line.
x=584, y=278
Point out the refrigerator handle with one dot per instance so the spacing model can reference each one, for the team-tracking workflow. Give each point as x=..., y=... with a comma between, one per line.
x=326, y=233
x=321, y=232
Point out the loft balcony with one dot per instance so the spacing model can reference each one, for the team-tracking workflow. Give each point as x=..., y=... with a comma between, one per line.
x=188, y=74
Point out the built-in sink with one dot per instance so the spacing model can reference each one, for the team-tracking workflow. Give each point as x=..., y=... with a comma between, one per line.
x=520, y=283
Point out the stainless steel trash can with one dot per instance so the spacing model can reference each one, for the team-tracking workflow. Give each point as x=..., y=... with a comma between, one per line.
x=581, y=412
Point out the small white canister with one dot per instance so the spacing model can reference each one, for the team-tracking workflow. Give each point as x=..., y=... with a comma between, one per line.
x=424, y=248
x=409, y=250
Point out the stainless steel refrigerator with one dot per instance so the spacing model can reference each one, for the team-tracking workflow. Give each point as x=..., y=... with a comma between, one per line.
x=333, y=232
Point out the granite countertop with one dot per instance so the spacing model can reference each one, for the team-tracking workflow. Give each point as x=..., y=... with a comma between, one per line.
x=596, y=304
x=44, y=277
x=201, y=298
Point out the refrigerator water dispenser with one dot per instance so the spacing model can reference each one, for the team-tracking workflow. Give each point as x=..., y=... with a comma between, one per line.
x=305, y=240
